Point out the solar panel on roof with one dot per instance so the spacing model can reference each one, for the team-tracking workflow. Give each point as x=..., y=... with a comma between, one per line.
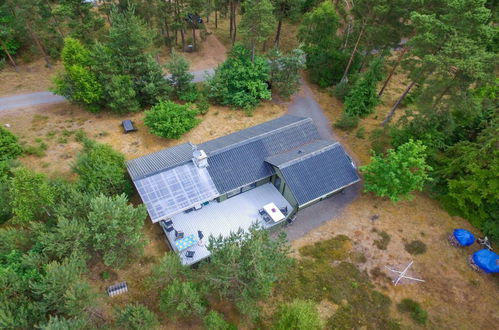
x=177, y=189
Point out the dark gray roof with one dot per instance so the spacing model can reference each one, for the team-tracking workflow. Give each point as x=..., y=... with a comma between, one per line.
x=252, y=133
x=319, y=173
x=159, y=161
x=238, y=159
x=303, y=151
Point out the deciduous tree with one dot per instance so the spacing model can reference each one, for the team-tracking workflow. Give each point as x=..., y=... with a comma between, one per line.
x=170, y=120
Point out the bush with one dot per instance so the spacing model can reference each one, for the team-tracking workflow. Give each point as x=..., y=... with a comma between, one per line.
x=298, y=315
x=180, y=78
x=399, y=173
x=189, y=95
x=9, y=145
x=342, y=89
x=202, y=106
x=215, y=321
x=170, y=120
x=182, y=299
x=418, y=314
x=346, y=122
x=415, y=247
x=101, y=169
x=136, y=317
x=285, y=71
x=361, y=133
x=239, y=82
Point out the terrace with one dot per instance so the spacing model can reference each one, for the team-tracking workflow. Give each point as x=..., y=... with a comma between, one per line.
x=222, y=218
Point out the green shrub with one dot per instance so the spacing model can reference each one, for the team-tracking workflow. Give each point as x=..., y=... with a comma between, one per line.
x=298, y=315
x=240, y=82
x=9, y=145
x=105, y=275
x=380, y=140
x=170, y=120
x=37, y=150
x=214, y=321
x=347, y=122
x=101, y=169
x=202, y=106
x=136, y=317
x=191, y=95
x=361, y=133
x=383, y=241
x=418, y=314
x=342, y=89
x=182, y=299
x=415, y=247
x=335, y=248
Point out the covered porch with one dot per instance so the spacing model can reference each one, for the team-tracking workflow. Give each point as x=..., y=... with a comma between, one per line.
x=222, y=218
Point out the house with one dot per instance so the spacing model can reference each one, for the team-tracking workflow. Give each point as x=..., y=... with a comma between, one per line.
x=264, y=174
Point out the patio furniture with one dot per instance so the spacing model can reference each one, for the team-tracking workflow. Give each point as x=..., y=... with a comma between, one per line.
x=117, y=289
x=168, y=223
x=200, y=234
x=273, y=211
x=169, y=229
x=186, y=242
x=284, y=210
x=190, y=254
x=261, y=211
x=179, y=234
x=266, y=217
x=128, y=126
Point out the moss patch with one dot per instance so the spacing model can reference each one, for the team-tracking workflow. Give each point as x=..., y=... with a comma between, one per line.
x=415, y=247
x=418, y=314
x=336, y=248
x=384, y=239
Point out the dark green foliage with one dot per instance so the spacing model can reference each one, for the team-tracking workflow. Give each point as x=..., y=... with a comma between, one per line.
x=415, y=247
x=168, y=269
x=170, y=120
x=9, y=145
x=31, y=195
x=240, y=82
x=116, y=229
x=182, y=299
x=380, y=140
x=384, y=239
x=343, y=88
x=101, y=170
x=215, y=321
x=361, y=133
x=5, y=201
x=418, y=314
x=136, y=317
x=363, y=97
x=245, y=266
x=61, y=323
x=202, y=105
x=325, y=61
x=120, y=93
x=285, y=71
x=298, y=315
x=257, y=23
x=14, y=239
x=180, y=79
x=347, y=122
x=399, y=173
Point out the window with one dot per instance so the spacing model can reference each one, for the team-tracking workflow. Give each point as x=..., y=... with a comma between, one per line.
x=248, y=187
x=277, y=183
x=233, y=193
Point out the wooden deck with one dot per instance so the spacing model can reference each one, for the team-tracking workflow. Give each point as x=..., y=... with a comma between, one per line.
x=223, y=218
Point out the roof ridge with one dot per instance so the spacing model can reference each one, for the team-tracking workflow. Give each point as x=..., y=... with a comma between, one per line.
x=261, y=135
x=310, y=154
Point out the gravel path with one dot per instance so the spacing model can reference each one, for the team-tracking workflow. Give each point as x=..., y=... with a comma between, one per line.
x=40, y=98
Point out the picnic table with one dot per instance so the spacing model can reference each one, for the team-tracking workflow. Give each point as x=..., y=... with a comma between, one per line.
x=185, y=242
x=273, y=211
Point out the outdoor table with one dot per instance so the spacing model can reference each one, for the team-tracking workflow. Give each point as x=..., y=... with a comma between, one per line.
x=185, y=242
x=274, y=212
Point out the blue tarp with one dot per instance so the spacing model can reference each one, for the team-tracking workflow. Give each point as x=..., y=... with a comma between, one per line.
x=487, y=260
x=464, y=237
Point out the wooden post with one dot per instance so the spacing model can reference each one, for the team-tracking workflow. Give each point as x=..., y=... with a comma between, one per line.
x=278, y=33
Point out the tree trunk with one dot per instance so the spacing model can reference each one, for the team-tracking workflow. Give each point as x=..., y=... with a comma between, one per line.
x=353, y=53
x=39, y=44
x=234, y=9
x=278, y=33
x=395, y=106
x=392, y=71
x=231, y=28
x=437, y=101
x=216, y=19
x=8, y=55
x=182, y=36
x=194, y=37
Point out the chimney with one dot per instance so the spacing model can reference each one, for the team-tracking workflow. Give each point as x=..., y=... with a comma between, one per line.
x=199, y=158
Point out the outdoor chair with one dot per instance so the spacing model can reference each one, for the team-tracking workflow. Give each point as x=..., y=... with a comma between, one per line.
x=266, y=218
x=169, y=223
x=190, y=254
x=262, y=212
x=169, y=229
x=179, y=234
x=284, y=210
